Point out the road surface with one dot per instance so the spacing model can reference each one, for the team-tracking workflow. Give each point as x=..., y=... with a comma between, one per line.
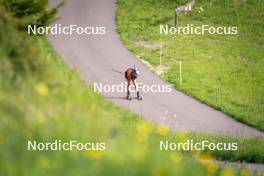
x=94, y=56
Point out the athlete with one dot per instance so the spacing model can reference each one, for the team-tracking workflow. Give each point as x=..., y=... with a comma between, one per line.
x=131, y=75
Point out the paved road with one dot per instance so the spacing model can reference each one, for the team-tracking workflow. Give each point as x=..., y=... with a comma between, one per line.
x=94, y=56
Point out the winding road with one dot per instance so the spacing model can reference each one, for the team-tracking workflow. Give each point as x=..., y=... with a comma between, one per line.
x=94, y=56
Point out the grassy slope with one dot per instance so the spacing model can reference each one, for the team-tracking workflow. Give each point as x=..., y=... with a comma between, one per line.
x=223, y=71
x=42, y=99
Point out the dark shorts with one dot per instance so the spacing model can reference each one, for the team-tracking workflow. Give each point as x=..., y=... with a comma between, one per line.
x=133, y=77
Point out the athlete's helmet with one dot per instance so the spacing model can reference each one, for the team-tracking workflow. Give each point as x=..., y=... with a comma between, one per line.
x=137, y=71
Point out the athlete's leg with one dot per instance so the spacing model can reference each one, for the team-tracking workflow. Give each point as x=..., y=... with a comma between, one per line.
x=135, y=84
x=128, y=89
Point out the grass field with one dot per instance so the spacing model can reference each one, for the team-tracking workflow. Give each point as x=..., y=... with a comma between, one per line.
x=42, y=99
x=226, y=72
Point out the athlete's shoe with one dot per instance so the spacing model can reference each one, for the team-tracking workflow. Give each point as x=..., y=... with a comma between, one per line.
x=139, y=98
x=128, y=96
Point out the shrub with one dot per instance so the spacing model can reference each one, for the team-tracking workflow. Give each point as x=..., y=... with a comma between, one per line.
x=33, y=11
x=19, y=53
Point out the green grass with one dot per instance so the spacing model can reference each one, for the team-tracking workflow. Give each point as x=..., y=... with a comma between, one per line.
x=42, y=99
x=223, y=71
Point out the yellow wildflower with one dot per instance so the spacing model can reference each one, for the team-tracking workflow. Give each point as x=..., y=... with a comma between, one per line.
x=95, y=154
x=212, y=167
x=163, y=130
x=227, y=172
x=142, y=131
x=206, y=156
x=145, y=127
x=42, y=89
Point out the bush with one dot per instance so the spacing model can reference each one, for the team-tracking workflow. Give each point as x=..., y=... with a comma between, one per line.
x=33, y=11
x=18, y=52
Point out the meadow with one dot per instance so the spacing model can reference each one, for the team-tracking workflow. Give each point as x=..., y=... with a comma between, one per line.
x=43, y=100
x=223, y=71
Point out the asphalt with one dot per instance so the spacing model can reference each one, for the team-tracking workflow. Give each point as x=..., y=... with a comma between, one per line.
x=94, y=56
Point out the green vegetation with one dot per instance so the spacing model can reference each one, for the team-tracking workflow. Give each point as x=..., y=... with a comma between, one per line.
x=223, y=71
x=42, y=99
x=32, y=11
